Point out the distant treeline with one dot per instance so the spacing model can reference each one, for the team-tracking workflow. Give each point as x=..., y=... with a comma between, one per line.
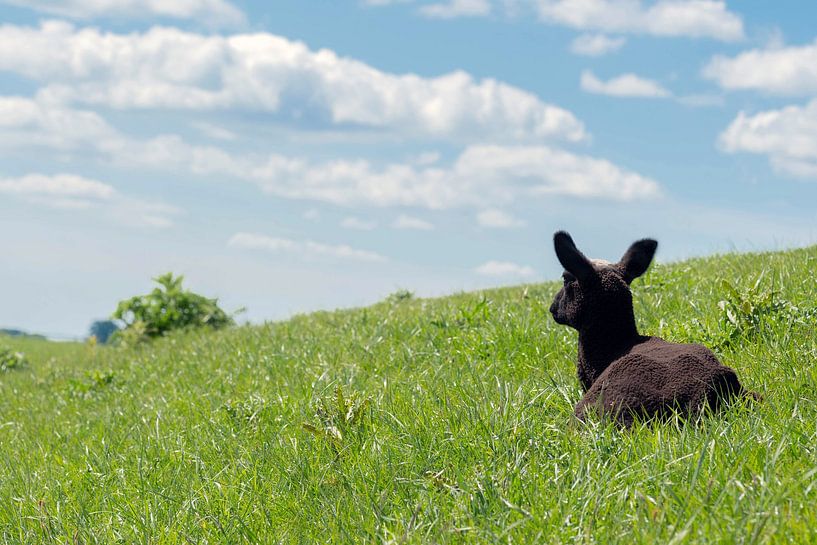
x=19, y=333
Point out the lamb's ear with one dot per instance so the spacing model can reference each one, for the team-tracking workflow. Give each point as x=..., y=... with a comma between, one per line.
x=571, y=258
x=637, y=258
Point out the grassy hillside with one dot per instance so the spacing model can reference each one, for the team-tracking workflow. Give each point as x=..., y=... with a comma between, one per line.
x=455, y=426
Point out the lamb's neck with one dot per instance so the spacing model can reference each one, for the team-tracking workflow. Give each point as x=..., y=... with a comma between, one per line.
x=603, y=342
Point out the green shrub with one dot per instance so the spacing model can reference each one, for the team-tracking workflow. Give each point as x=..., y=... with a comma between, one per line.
x=168, y=307
x=400, y=296
x=93, y=383
x=10, y=359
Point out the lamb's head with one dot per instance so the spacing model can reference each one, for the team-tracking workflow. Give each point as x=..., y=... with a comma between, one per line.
x=594, y=290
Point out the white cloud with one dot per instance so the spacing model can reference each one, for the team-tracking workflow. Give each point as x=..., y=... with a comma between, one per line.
x=545, y=170
x=170, y=68
x=409, y=222
x=213, y=131
x=481, y=176
x=426, y=158
x=352, y=222
x=69, y=191
x=691, y=18
x=307, y=248
x=211, y=12
x=667, y=18
x=596, y=45
x=782, y=71
x=59, y=186
x=788, y=136
x=141, y=213
x=504, y=268
x=457, y=8
x=498, y=219
x=626, y=85
x=37, y=122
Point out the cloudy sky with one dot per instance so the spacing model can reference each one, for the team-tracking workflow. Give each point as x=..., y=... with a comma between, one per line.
x=300, y=154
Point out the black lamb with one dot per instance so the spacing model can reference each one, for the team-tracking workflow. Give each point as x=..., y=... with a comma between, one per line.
x=626, y=375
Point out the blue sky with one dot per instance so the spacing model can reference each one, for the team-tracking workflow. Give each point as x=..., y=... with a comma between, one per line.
x=297, y=155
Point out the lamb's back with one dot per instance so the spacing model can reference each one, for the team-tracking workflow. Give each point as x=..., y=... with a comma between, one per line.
x=656, y=377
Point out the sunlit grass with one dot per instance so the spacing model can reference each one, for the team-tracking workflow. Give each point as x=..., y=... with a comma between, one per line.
x=466, y=435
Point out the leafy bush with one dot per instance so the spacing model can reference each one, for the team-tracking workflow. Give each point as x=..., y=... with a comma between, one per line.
x=400, y=296
x=9, y=359
x=166, y=308
x=93, y=383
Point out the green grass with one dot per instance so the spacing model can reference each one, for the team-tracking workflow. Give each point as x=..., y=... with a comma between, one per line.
x=455, y=426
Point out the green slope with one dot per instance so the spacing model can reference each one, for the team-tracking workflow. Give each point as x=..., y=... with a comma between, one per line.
x=460, y=427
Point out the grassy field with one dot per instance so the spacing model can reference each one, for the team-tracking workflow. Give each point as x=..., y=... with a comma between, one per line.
x=419, y=421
